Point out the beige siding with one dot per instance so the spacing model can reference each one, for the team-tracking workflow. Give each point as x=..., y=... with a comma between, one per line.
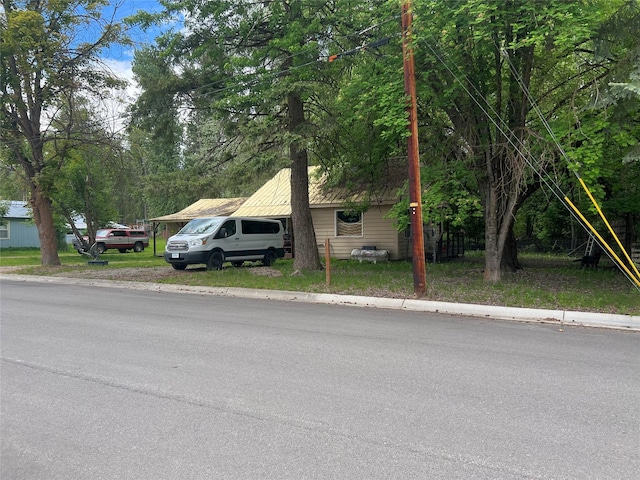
x=404, y=246
x=377, y=231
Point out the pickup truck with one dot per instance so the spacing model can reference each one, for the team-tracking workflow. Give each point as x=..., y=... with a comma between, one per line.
x=122, y=239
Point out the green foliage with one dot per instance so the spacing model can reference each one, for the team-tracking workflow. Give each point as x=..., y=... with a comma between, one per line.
x=448, y=197
x=500, y=71
x=86, y=188
x=212, y=117
x=4, y=208
x=12, y=185
x=49, y=53
x=543, y=222
x=234, y=65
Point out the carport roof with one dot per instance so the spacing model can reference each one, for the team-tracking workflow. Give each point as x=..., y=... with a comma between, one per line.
x=205, y=207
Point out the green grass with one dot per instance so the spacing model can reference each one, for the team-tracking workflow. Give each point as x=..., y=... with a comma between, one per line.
x=12, y=257
x=545, y=281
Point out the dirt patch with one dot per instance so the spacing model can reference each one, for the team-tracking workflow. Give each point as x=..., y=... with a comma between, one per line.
x=10, y=269
x=150, y=274
x=265, y=271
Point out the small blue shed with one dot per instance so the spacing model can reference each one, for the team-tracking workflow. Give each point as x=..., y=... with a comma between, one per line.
x=17, y=229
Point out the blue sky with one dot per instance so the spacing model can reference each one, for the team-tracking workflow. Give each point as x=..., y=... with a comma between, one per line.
x=119, y=58
x=126, y=8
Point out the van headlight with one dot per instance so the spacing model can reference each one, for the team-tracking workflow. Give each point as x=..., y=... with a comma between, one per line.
x=196, y=242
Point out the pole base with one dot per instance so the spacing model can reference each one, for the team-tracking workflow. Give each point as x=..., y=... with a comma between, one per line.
x=98, y=263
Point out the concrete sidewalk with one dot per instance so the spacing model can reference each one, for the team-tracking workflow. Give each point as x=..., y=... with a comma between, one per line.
x=560, y=317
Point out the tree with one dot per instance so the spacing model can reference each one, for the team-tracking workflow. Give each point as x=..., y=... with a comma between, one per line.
x=255, y=70
x=12, y=185
x=489, y=65
x=49, y=53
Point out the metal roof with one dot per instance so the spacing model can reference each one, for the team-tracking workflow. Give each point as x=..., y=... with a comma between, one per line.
x=273, y=199
x=205, y=207
x=17, y=209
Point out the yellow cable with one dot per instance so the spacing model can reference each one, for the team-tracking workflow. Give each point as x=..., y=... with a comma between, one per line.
x=606, y=245
x=593, y=200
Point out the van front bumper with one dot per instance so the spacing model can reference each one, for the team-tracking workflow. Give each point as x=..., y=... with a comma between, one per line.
x=189, y=258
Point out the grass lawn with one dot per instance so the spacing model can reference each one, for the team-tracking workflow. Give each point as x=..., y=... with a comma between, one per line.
x=545, y=281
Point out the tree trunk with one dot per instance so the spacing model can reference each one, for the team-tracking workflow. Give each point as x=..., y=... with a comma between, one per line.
x=43, y=217
x=492, y=272
x=500, y=205
x=509, y=261
x=41, y=204
x=306, y=250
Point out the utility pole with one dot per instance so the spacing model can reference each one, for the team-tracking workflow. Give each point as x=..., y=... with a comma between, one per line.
x=415, y=189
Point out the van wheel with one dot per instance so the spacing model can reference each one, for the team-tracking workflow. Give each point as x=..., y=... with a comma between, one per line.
x=215, y=261
x=269, y=258
x=179, y=266
x=138, y=247
x=237, y=264
x=101, y=248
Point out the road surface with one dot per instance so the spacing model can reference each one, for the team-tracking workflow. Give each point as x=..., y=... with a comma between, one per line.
x=107, y=383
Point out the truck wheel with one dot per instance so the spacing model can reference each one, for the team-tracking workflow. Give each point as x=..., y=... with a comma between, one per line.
x=138, y=247
x=101, y=248
x=269, y=258
x=215, y=261
x=179, y=266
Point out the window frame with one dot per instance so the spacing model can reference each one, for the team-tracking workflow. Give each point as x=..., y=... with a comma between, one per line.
x=336, y=220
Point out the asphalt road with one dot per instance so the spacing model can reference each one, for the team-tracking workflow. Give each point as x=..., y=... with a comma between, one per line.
x=117, y=384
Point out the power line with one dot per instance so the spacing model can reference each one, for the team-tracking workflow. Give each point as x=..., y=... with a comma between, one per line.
x=537, y=110
x=552, y=185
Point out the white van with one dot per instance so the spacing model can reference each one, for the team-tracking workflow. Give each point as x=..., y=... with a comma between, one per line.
x=216, y=240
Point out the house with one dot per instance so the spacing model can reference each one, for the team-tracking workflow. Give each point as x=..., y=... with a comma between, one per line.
x=17, y=229
x=346, y=229
x=205, y=207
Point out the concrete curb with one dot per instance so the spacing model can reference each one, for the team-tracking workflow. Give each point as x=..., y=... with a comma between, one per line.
x=560, y=317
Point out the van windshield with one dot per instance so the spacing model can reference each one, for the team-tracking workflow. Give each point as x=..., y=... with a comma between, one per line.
x=199, y=226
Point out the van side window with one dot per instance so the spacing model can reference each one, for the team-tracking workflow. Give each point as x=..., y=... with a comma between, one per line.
x=230, y=227
x=252, y=226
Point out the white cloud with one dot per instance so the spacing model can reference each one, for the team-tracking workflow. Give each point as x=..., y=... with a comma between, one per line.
x=122, y=69
x=111, y=108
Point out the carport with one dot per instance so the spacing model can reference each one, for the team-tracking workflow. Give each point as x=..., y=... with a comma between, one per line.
x=205, y=207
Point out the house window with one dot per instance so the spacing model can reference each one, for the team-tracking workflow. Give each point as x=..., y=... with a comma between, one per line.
x=4, y=230
x=348, y=224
